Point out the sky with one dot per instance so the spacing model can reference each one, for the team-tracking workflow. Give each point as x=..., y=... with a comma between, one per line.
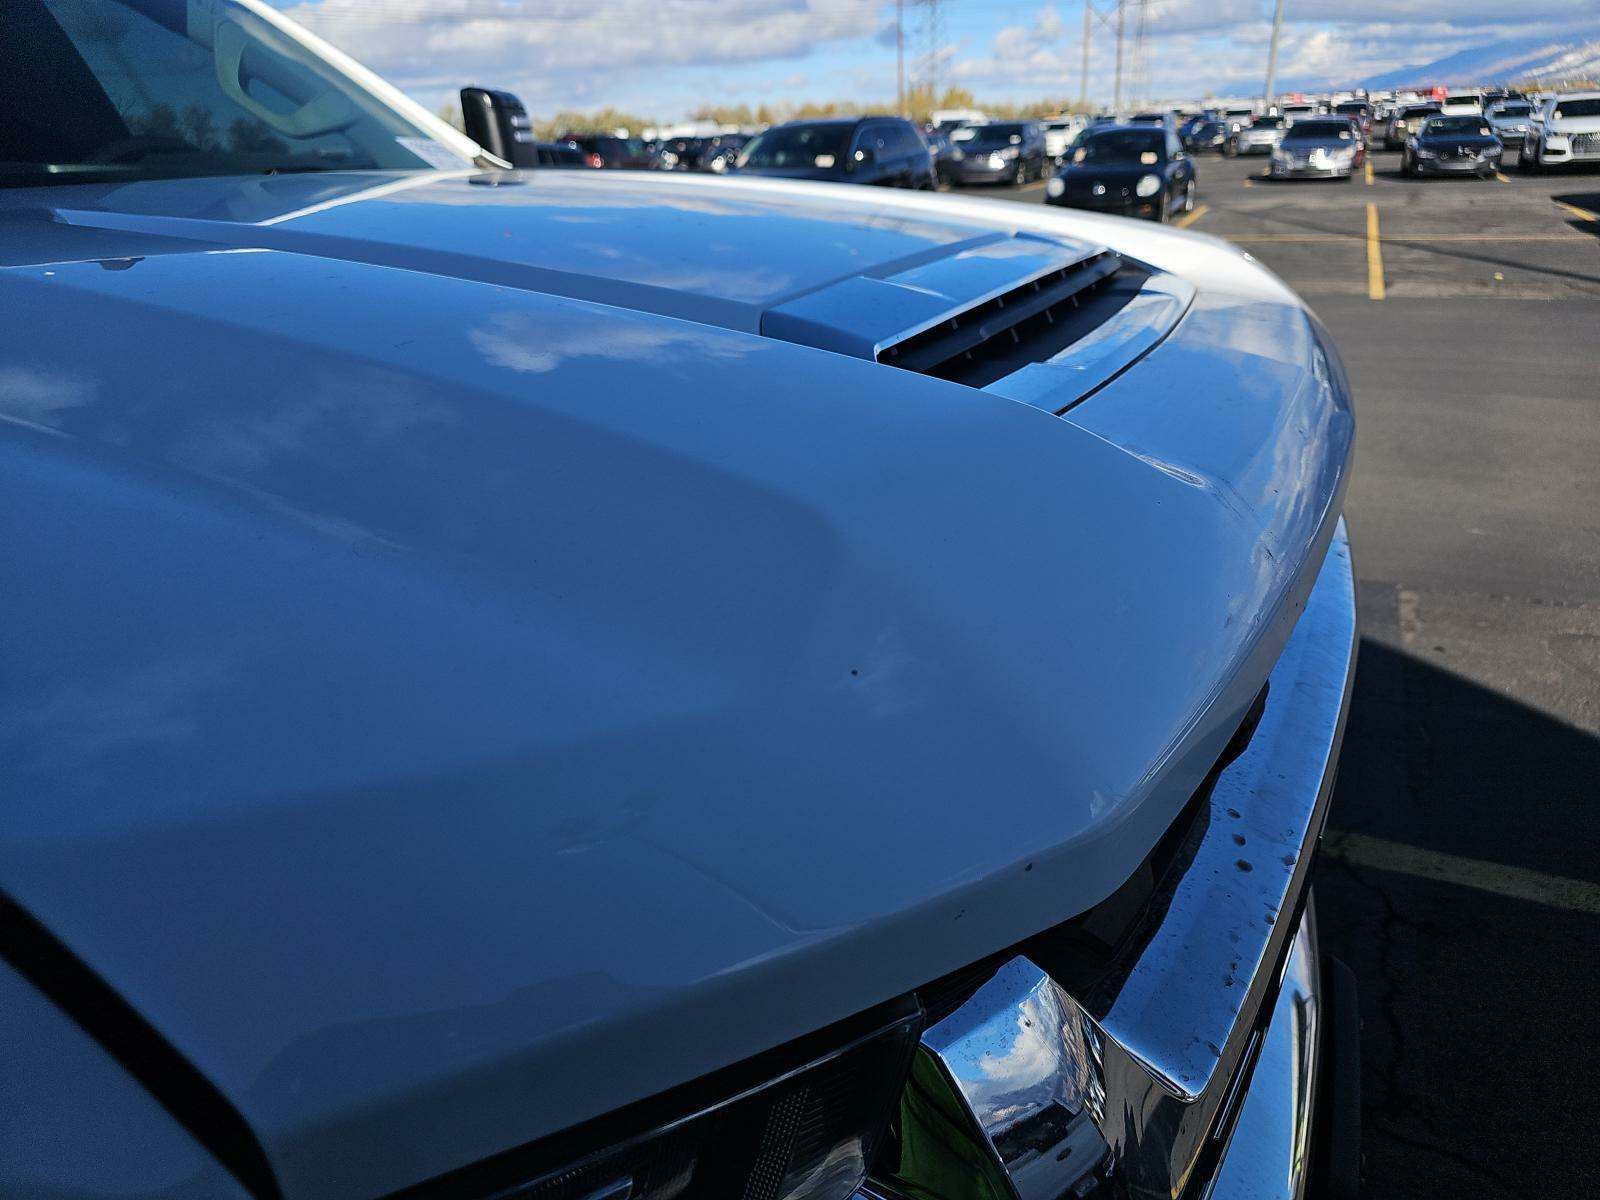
x=662, y=58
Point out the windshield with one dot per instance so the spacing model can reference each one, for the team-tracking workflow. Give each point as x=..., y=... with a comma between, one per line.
x=137, y=89
x=1588, y=107
x=1321, y=131
x=797, y=146
x=985, y=137
x=1467, y=99
x=1511, y=110
x=1121, y=146
x=1456, y=127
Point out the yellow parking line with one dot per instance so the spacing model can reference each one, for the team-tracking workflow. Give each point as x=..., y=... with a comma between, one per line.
x=1189, y=218
x=1368, y=165
x=1032, y=187
x=1249, y=183
x=1374, y=256
x=1501, y=176
x=1583, y=214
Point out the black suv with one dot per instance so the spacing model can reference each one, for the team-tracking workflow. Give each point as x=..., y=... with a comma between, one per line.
x=887, y=151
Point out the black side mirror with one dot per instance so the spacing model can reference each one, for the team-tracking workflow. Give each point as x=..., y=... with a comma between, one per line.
x=498, y=122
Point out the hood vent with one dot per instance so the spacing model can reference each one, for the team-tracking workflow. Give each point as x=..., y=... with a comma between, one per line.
x=1029, y=324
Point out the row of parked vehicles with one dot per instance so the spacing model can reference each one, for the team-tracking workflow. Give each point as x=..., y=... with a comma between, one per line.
x=1460, y=132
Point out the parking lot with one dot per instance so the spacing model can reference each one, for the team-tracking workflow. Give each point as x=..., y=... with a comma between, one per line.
x=1461, y=878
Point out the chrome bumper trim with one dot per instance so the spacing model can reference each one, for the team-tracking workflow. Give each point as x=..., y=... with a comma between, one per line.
x=1140, y=1075
x=1269, y=1151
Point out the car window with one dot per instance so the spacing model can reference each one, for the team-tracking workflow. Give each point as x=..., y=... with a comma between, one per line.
x=1588, y=107
x=142, y=89
x=784, y=146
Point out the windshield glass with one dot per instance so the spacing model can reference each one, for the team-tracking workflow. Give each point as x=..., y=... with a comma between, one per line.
x=1511, y=110
x=1320, y=131
x=797, y=146
x=1455, y=127
x=1465, y=99
x=1121, y=146
x=1577, y=108
x=987, y=137
x=137, y=89
x=1267, y=123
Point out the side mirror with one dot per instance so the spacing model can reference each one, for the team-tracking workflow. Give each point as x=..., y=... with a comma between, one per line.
x=498, y=122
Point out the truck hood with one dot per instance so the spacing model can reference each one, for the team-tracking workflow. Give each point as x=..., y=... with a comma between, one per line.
x=447, y=706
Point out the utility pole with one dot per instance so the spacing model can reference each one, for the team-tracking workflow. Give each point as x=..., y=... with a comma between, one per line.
x=1083, y=90
x=900, y=57
x=1122, y=12
x=1272, y=56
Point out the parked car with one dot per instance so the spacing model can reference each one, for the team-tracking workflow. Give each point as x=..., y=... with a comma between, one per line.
x=681, y=153
x=627, y=687
x=1462, y=104
x=609, y=151
x=886, y=151
x=1206, y=135
x=1000, y=152
x=1452, y=145
x=1408, y=118
x=1359, y=111
x=1130, y=170
x=560, y=154
x=1258, y=137
x=723, y=151
x=1319, y=148
x=939, y=147
x=1564, y=129
x=1510, y=120
x=1058, y=135
x=1237, y=117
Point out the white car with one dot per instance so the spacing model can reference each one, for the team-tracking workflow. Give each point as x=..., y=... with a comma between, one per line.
x=1565, y=129
x=1461, y=104
x=1058, y=135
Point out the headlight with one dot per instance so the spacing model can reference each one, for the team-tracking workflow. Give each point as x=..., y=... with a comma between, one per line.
x=1555, y=141
x=1008, y=152
x=957, y=155
x=1148, y=185
x=1424, y=152
x=1055, y=187
x=668, y=158
x=1342, y=154
x=1492, y=151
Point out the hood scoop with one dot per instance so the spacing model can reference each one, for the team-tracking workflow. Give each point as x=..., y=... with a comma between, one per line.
x=1040, y=320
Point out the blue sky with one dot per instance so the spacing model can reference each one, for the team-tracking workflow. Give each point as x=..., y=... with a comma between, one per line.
x=663, y=57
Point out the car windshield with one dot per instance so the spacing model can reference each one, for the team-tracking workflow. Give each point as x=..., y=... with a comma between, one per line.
x=1121, y=146
x=1511, y=110
x=988, y=137
x=1353, y=109
x=1267, y=123
x=1321, y=131
x=798, y=146
x=1456, y=127
x=1587, y=107
x=1469, y=99
x=141, y=89
x=1408, y=114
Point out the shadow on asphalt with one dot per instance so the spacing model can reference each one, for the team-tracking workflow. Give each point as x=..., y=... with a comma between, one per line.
x=1479, y=1047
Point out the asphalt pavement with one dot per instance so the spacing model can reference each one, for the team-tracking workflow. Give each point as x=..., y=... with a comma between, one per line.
x=1461, y=873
